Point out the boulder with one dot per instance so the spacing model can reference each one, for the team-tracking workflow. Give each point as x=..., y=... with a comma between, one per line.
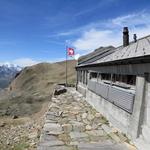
x=14, y=117
x=2, y=124
x=60, y=90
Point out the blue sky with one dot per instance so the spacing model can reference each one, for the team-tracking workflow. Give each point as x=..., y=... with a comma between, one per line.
x=33, y=31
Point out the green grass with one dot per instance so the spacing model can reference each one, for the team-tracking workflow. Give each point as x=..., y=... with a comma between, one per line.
x=21, y=146
x=104, y=120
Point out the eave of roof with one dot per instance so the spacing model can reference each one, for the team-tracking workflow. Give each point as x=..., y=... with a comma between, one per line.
x=143, y=59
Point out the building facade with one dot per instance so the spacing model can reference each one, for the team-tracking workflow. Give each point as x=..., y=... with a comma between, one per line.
x=116, y=82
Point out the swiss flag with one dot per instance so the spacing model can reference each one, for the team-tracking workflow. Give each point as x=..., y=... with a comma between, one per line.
x=70, y=51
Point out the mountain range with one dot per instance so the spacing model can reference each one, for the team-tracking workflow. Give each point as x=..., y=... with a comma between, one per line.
x=7, y=74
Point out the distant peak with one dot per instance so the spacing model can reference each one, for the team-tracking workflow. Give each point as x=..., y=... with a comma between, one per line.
x=11, y=66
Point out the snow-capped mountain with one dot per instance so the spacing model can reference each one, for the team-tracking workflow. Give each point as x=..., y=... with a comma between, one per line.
x=8, y=73
x=11, y=66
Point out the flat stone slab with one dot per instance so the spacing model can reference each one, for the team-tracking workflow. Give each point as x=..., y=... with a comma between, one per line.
x=77, y=126
x=50, y=117
x=54, y=148
x=52, y=143
x=52, y=127
x=50, y=121
x=96, y=133
x=51, y=113
x=76, y=135
x=106, y=128
x=46, y=137
x=101, y=146
x=115, y=137
x=67, y=128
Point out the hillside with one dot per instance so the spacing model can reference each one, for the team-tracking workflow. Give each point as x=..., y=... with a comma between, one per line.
x=33, y=86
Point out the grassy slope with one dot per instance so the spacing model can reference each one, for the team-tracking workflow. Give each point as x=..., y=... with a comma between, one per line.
x=33, y=87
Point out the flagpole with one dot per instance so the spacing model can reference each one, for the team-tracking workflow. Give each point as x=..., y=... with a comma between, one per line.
x=66, y=64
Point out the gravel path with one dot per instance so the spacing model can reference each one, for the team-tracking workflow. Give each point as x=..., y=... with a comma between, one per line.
x=72, y=124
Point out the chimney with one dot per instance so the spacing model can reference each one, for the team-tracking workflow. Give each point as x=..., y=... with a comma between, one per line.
x=125, y=36
x=135, y=37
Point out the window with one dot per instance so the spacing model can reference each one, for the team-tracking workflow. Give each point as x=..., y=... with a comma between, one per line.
x=93, y=75
x=128, y=79
x=124, y=81
x=82, y=76
x=79, y=76
x=85, y=77
x=105, y=76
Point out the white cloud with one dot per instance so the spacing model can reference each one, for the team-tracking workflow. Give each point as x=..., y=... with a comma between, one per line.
x=65, y=33
x=56, y=60
x=133, y=19
x=76, y=56
x=109, y=32
x=102, y=3
x=23, y=62
x=94, y=38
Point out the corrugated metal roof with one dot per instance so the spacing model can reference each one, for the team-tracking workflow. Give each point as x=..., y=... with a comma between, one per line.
x=133, y=50
x=95, y=55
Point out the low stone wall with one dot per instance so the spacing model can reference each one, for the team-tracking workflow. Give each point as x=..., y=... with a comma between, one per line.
x=72, y=124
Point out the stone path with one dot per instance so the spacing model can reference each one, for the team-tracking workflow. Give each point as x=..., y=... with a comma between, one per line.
x=72, y=124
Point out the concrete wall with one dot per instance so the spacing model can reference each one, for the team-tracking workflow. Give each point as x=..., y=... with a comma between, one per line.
x=146, y=122
x=82, y=88
x=116, y=116
x=143, y=140
x=136, y=119
x=130, y=124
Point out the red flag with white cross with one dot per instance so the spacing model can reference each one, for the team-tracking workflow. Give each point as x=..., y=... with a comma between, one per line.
x=70, y=51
